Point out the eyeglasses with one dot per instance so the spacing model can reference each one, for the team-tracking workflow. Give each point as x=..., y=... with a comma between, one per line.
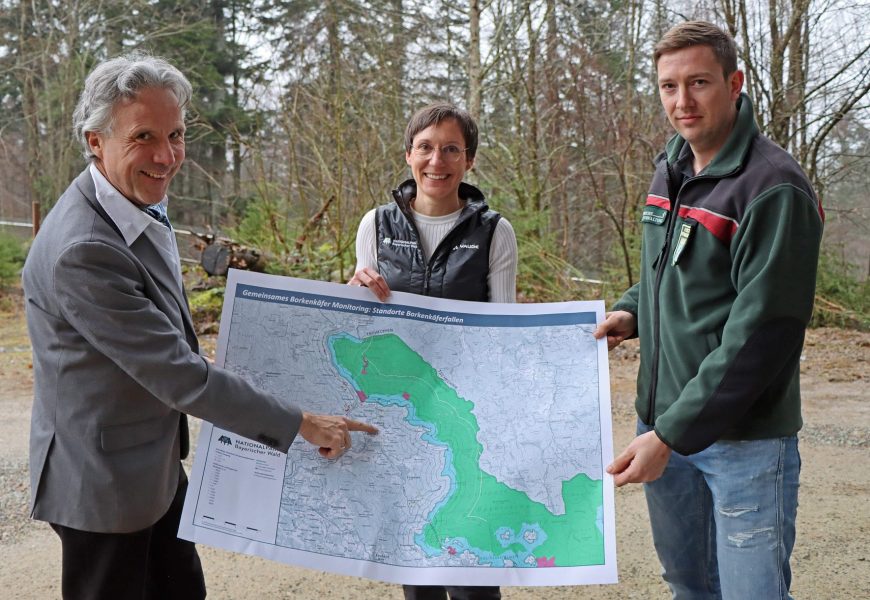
x=449, y=153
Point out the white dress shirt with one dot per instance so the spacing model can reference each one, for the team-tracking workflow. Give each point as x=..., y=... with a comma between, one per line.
x=133, y=222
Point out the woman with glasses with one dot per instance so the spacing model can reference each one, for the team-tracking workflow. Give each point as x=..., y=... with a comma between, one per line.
x=439, y=238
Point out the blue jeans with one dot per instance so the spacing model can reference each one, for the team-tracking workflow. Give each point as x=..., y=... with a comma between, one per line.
x=723, y=520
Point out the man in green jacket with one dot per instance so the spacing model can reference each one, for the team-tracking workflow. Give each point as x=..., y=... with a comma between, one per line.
x=731, y=234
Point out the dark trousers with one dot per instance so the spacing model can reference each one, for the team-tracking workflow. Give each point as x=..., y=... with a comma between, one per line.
x=151, y=564
x=459, y=592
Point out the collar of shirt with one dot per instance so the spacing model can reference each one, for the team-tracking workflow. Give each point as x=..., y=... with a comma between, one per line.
x=130, y=220
x=448, y=218
x=686, y=162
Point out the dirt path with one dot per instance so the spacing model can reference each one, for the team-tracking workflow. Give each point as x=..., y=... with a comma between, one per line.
x=831, y=558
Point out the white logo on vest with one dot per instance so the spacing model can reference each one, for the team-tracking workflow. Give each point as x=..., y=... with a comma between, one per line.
x=399, y=243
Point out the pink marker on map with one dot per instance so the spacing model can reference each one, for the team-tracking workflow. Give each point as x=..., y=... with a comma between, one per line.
x=543, y=561
x=361, y=395
x=406, y=395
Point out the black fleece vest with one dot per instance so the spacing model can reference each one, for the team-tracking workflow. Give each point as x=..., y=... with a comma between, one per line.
x=459, y=266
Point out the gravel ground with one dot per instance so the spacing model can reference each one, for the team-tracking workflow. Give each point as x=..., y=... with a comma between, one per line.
x=830, y=558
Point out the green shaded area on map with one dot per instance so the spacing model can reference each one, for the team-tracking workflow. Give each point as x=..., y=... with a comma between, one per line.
x=384, y=365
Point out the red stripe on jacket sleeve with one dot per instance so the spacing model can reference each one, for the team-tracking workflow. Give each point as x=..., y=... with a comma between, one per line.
x=659, y=201
x=721, y=227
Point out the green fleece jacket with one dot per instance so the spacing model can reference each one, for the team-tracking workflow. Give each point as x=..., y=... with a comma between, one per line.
x=728, y=275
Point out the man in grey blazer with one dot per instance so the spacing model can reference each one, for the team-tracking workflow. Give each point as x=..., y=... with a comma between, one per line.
x=116, y=361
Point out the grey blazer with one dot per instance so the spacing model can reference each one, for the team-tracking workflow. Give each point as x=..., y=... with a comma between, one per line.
x=116, y=364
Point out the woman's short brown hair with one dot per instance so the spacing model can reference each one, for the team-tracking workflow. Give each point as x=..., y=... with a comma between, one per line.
x=436, y=113
x=699, y=33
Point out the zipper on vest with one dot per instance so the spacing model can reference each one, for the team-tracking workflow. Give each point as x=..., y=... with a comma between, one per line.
x=661, y=262
x=445, y=242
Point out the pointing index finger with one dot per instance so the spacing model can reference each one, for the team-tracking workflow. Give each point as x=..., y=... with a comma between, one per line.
x=360, y=426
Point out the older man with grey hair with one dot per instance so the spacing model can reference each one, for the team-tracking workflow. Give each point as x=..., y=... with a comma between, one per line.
x=115, y=357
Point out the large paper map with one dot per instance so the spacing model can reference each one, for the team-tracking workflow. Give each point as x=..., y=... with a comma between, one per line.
x=494, y=430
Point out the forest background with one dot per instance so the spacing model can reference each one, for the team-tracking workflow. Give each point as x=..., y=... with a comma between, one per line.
x=300, y=106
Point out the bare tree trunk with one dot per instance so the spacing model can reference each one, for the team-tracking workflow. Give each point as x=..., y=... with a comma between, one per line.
x=397, y=60
x=235, y=144
x=337, y=107
x=560, y=218
x=533, y=139
x=475, y=71
x=26, y=78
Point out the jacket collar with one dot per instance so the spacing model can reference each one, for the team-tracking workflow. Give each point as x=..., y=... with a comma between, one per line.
x=732, y=155
x=129, y=218
x=407, y=191
x=144, y=251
